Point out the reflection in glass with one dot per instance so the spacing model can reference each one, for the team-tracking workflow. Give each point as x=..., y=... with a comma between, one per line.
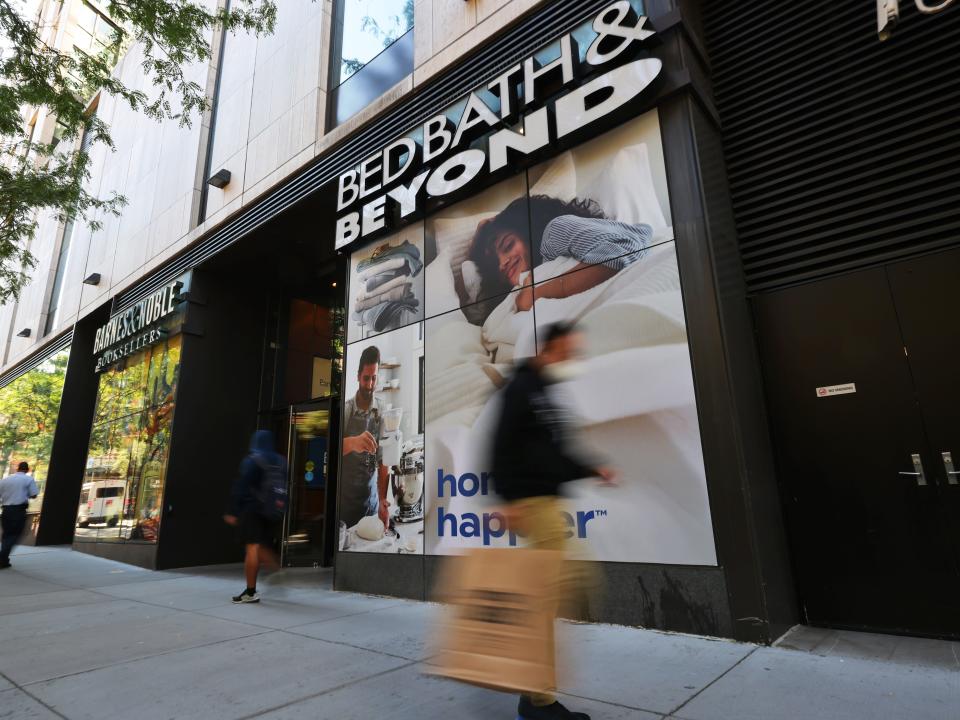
x=309, y=463
x=29, y=408
x=368, y=28
x=122, y=494
x=103, y=491
x=162, y=377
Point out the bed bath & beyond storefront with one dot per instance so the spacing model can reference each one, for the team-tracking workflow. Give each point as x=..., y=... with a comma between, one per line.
x=569, y=170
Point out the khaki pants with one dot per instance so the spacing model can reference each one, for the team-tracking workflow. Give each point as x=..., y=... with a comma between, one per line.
x=540, y=521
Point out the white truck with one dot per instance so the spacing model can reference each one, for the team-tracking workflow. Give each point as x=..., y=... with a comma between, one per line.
x=101, y=501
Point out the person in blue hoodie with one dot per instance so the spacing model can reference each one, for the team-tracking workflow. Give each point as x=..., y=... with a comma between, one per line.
x=257, y=529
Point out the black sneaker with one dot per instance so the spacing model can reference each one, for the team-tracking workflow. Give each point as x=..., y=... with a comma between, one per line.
x=4, y=564
x=247, y=596
x=528, y=711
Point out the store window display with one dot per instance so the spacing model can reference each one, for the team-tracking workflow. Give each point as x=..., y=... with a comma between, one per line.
x=122, y=494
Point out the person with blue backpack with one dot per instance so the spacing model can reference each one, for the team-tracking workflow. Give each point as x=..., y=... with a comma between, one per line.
x=258, y=502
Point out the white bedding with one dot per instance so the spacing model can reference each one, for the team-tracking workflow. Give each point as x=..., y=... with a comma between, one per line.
x=635, y=326
x=641, y=305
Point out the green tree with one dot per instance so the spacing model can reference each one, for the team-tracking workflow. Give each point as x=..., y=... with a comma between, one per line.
x=38, y=177
x=28, y=413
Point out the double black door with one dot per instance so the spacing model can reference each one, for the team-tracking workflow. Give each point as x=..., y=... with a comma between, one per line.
x=863, y=382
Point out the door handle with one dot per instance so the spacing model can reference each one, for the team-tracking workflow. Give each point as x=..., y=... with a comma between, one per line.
x=918, y=466
x=952, y=474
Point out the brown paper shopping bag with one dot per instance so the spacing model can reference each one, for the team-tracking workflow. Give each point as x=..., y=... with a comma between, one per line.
x=498, y=629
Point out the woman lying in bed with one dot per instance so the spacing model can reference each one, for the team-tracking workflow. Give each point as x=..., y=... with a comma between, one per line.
x=577, y=230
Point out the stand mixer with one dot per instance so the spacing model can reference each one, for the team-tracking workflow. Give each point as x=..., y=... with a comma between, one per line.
x=405, y=460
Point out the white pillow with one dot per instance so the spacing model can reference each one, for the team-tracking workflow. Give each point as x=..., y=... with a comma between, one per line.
x=454, y=235
x=440, y=291
x=471, y=280
x=625, y=189
x=559, y=180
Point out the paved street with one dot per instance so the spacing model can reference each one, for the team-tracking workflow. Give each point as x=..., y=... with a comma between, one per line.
x=88, y=638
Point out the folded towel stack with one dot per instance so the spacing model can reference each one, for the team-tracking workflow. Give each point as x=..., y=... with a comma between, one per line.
x=384, y=293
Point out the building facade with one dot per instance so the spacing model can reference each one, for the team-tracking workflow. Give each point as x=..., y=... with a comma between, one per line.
x=389, y=202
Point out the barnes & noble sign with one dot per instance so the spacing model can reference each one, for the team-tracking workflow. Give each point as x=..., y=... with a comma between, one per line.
x=137, y=327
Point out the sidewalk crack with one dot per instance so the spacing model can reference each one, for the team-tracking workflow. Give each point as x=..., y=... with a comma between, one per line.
x=710, y=684
x=290, y=703
x=609, y=702
x=33, y=697
x=143, y=658
x=349, y=645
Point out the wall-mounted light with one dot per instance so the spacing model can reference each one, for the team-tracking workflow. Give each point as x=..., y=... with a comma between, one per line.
x=92, y=279
x=24, y=333
x=220, y=178
x=333, y=284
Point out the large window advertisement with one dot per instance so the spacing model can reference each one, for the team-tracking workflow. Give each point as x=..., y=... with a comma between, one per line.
x=586, y=237
x=29, y=407
x=122, y=494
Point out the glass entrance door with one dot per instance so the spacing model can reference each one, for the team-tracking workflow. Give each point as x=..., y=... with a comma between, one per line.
x=311, y=489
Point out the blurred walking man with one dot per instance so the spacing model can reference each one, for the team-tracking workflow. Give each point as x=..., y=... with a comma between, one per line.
x=16, y=492
x=252, y=506
x=532, y=457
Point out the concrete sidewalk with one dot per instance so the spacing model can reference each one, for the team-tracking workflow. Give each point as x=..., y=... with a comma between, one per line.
x=82, y=637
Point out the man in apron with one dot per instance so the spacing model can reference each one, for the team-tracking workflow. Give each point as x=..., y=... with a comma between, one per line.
x=363, y=476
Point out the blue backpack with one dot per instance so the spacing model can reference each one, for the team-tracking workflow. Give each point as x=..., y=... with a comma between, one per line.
x=272, y=495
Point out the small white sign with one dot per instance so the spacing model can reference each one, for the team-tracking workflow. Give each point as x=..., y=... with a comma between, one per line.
x=830, y=390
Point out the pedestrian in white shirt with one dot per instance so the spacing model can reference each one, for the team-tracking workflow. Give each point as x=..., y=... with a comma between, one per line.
x=15, y=493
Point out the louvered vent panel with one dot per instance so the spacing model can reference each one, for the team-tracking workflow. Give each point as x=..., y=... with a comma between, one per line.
x=24, y=366
x=843, y=151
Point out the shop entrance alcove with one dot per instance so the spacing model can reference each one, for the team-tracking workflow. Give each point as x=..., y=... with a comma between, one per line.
x=298, y=280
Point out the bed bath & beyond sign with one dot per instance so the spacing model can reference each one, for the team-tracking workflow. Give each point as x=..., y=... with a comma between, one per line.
x=126, y=327
x=618, y=29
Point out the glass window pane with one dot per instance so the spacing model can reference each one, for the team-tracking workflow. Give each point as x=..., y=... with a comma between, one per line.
x=111, y=444
x=164, y=368
x=97, y=475
x=108, y=393
x=133, y=386
x=369, y=27
x=149, y=497
x=29, y=409
x=127, y=459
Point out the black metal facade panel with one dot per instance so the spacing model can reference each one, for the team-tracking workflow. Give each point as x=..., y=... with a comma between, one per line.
x=541, y=28
x=28, y=364
x=843, y=151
